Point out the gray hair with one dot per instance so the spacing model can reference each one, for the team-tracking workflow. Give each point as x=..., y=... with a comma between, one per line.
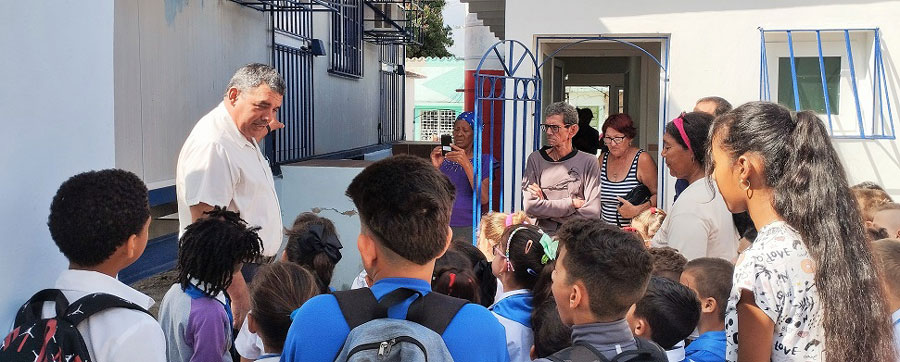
x=722, y=106
x=570, y=115
x=253, y=75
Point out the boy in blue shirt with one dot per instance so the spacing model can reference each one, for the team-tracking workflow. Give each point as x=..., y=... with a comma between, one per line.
x=710, y=278
x=404, y=206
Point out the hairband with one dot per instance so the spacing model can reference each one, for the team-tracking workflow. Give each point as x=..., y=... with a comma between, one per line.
x=509, y=221
x=313, y=242
x=653, y=211
x=452, y=280
x=548, y=244
x=679, y=124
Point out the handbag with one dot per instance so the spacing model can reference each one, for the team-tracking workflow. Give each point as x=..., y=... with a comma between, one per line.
x=638, y=195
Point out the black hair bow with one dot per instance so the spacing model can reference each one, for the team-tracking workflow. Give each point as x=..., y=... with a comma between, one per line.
x=313, y=242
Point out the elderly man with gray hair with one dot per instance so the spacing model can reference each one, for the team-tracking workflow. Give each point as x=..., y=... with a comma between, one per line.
x=221, y=164
x=560, y=182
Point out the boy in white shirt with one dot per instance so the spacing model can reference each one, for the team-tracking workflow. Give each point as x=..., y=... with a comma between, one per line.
x=100, y=221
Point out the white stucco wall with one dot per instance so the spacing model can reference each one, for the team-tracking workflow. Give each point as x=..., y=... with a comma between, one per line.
x=173, y=60
x=715, y=50
x=58, y=116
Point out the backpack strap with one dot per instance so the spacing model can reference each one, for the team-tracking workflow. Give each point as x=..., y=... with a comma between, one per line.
x=357, y=305
x=645, y=351
x=578, y=352
x=32, y=310
x=94, y=303
x=435, y=311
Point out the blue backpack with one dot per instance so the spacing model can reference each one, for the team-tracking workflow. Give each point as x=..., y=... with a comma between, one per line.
x=375, y=337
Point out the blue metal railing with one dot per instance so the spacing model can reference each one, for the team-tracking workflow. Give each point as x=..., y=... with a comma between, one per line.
x=393, y=88
x=347, y=39
x=295, y=142
x=882, y=124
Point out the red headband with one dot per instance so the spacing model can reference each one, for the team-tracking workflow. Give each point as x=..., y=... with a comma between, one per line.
x=679, y=124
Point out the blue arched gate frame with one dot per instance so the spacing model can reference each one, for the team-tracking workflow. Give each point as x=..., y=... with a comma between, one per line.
x=515, y=97
x=526, y=109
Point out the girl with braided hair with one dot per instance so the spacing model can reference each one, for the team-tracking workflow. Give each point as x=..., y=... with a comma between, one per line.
x=196, y=311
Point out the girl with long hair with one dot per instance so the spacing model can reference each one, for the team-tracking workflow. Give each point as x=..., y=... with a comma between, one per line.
x=807, y=289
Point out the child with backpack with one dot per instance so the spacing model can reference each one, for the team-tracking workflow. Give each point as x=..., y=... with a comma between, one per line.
x=100, y=222
x=276, y=291
x=666, y=314
x=807, y=288
x=404, y=206
x=519, y=258
x=710, y=279
x=600, y=272
x=196, y=312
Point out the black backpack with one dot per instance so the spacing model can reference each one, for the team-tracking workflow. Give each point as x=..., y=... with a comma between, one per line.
x=35, y=339
x=646, y=351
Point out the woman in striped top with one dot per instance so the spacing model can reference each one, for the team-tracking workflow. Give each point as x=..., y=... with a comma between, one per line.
x=623, y=168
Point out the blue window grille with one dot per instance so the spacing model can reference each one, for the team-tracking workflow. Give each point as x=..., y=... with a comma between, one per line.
x=871, y=116
x=295, y=142
x=347, y=38
x=393, y=88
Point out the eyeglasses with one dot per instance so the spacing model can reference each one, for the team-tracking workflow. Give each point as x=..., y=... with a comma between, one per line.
x=611, y=140
x=552, y=127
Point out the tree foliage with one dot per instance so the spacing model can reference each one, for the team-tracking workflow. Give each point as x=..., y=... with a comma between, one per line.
x=436, y=36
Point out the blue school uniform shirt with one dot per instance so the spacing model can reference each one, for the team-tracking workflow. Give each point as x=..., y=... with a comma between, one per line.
x=709, y=347
x=319, y=328
x=513, y=310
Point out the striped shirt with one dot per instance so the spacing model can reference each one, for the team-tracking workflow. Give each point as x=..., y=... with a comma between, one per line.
x=609, y=191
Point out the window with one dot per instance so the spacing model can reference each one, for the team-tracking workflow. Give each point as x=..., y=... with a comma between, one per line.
x=837, y=73
x=809, y=83
x=346, y=38
x=436, y=123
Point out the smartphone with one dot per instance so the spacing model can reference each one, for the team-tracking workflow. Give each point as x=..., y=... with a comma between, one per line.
x=446, y=140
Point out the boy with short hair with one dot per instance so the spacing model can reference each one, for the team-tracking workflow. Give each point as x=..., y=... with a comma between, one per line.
x=667, y=263
x=404, y=206
x=667, y=314
x=887, y=216
x=100, y=221
x=600, y=272
x=887, y=255
x=710, y=279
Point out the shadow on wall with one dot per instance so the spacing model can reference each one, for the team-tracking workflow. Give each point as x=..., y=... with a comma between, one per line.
x=173, y=7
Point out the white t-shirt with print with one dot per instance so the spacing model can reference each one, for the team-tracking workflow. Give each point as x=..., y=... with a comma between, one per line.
x=779, y=272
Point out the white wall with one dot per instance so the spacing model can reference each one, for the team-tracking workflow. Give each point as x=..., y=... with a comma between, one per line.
x=173, y=60
x=715, y=50
x=57, y=111
x=346, y=111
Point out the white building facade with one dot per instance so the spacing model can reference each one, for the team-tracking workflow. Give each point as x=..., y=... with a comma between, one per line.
x=663, y=56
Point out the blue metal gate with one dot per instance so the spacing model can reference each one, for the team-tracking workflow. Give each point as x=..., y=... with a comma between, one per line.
x=513, y=98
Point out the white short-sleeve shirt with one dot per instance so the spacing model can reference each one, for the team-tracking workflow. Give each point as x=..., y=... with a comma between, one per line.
x=218, y=166
x=778, y=271
x=699, y=224
x=116, y=334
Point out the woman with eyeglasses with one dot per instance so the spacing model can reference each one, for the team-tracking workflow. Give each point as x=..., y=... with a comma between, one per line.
x=699, y=224
x=623, y=168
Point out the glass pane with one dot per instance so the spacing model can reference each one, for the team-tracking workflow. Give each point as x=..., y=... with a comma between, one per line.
x=809, y=83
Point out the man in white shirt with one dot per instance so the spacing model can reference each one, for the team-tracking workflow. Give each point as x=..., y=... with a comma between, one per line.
x=221, y=164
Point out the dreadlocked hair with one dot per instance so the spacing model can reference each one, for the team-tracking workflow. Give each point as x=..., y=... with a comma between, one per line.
x=212, y=247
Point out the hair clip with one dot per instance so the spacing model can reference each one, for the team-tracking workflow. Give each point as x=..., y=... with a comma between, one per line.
x=452, y=280
x=528, y=245
x=509, y=220
x=653, y=211
x=630, y=229
x=532, y=272
x=550, y=247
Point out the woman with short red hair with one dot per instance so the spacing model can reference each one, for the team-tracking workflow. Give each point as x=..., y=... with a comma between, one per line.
x=624, y=168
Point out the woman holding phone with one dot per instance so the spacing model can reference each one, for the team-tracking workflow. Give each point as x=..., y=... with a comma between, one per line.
x=458, y=165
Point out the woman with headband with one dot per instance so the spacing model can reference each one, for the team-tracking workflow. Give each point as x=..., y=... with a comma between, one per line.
x=518, y=262
x=699, y=224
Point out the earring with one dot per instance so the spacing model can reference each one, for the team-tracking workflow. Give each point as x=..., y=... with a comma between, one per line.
x=745, y=188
